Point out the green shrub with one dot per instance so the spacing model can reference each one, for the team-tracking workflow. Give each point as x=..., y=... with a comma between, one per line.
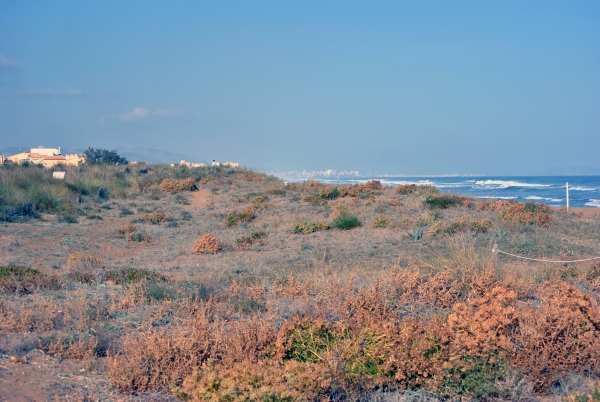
x=347, y=222
x=236, y=217
x=17, y=279
x=442, y=201
x=309, y=227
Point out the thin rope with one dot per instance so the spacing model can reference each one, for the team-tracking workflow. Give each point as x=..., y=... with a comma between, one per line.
x=557, y=262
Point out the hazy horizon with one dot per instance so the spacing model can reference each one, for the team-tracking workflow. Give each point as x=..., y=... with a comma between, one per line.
x=505, y=88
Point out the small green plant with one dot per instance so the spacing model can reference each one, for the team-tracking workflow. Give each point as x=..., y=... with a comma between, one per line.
x=96, y=217
x=417, y=234
x=236, y=217
x=309, y=227
x=381, y=222
x=124, y=212
x=140, y=238
x=347, y=222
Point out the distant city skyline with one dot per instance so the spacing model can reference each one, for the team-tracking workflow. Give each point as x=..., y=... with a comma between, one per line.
x=502, y=88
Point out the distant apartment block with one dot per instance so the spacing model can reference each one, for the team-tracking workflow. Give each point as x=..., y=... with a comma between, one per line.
x=47, y=157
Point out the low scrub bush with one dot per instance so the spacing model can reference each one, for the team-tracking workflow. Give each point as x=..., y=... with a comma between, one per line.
x=207, y=244
x=347, y=222
x=156, y=217
x=23, y=280
x=236, y=217
x=67, y=217
x=381, y=221
x=174, y=185
x=309, y=227
x=443, y=201
x=127, y=229
x=255, y=238
x=525, y=213
x=460, y=225
x=140, y=238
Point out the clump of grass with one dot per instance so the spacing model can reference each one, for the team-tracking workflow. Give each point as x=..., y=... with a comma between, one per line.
x=94, y=217
x=67, y=217
x=125, y=212
x=125, y=276
x=347, y=222
x=236, y=217
x=309, y=227
x=207, y=244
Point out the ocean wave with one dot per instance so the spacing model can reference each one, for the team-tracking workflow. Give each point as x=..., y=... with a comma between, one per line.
x=535, y=197
x=495, y=197
x=508, y=183
x=582, y=188
x=593, y=203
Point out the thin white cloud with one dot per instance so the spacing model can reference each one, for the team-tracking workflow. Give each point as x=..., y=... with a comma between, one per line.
x=49, y=92
x=9, y=64
x=140, y=113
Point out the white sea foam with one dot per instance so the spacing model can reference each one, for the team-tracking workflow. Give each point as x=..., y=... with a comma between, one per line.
x=593, y=203
x=535, y=197
x=508, y=183
x=495, y=197
x=582, y=188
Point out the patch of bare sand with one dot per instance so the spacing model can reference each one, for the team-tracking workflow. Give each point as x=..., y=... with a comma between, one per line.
x=201, y=199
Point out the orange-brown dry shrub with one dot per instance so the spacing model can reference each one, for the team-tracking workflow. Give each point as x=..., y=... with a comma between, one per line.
x=174, y=185
x=562, y=335
x=156, y=217
x=528, y=213
x=127, y=229
x=266, y=380
x=406, y=189
x=207, y=244
x=160, y=358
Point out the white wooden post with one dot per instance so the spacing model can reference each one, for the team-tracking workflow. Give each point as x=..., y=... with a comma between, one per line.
x=567, y=196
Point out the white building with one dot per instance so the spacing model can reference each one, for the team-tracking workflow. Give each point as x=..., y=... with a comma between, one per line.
x=45, y=151
x=231, y=164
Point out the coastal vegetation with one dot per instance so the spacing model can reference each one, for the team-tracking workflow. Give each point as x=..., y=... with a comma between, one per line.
x=227, y=284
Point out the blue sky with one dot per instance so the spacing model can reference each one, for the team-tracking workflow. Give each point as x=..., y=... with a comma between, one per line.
x=497, y=87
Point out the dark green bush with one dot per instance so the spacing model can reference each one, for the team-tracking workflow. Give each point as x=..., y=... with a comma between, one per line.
x=442, y=201
x=347, y=222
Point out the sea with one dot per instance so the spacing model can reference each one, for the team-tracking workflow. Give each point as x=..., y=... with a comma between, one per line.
x=584, y=191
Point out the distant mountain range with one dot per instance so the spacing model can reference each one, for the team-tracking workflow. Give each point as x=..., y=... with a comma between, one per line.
x=139, y=154
x=152, y=155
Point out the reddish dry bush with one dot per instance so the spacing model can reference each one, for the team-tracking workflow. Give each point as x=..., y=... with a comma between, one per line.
x=562, y=335
x=156, y=217
x=127, y=229
x=512, y=211
x=174, y=185
x=160, y=358
x=252, y=177
x=207, y=244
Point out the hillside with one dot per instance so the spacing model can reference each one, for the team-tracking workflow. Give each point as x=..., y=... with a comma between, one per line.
x=204, y=284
